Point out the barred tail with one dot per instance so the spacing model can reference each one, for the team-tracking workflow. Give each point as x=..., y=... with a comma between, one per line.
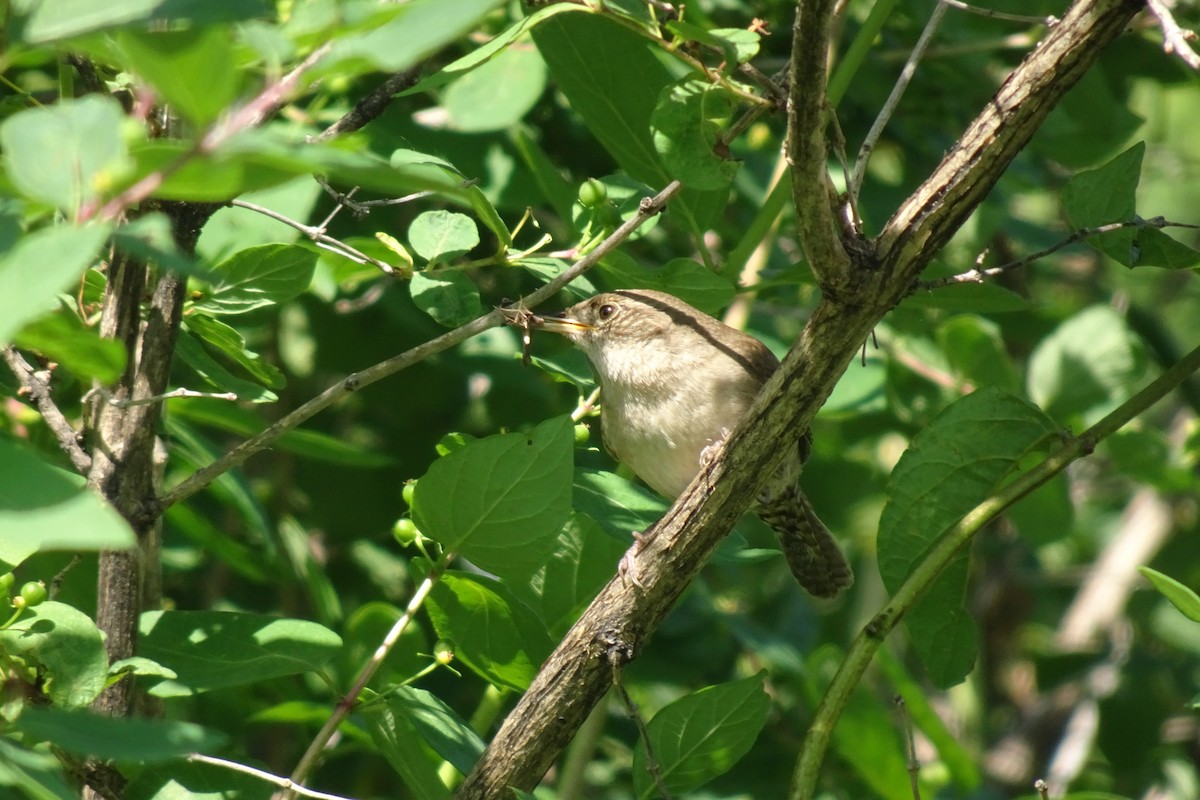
x=810, y=549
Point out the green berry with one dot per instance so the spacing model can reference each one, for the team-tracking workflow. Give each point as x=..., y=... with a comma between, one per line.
x=410, y=487
x=443, y=651
x=582, y=434
x=405, y=531
x=33, y=594
x=6, y=583
x=592, y=193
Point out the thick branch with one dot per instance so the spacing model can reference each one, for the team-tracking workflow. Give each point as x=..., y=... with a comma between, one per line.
x=807, y=150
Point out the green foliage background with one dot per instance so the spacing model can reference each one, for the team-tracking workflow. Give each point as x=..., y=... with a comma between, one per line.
x=282, y=577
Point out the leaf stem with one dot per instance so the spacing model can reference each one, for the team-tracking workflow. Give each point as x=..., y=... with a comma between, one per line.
x=862, y=650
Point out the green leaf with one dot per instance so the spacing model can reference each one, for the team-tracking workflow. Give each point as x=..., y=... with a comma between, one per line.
x=149, y=237
x=66, y=154
x=69, y=648
x=702, y=735
x=41, y=265
x=585, y=560
x=862, y=389
x=38, y=775
x=191, y=352
x=413, y=759
x=737, y=44
x=687, y=124
x=1088, y=366
x=46, y=508
x=436, y=723
x=194, y=69
x=948, y=469
x=65, y=339
x=620, y=507
x=229, y=342
x=409, y=33
x=258, y=277
x=499, y=93
x=216, y=649
x=493, y=633
x=1153, y=248
x=442, y=235
x=1183, y=598
x=976, y=298
x=367, y=626
x=64, y=19
x=84, y=734
x=1104, y=195
x=975, y=351
x=449, y=296
x=691, y=282
x=546, y=269
x=479, y=201
x=501, y=501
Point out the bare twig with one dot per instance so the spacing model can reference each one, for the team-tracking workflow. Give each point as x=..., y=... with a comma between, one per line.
x=372, y=105
x=976, y=275
x=889, y=107
x=910, y=748
x=988, y=12
x=278, y=780
x=652, y=765
x=327, y=242
x=36, y=383
x=1175, y=39
x=107, y=397
x=206, y=475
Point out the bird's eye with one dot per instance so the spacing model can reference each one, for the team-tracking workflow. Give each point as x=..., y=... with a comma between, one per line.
x=607, y=311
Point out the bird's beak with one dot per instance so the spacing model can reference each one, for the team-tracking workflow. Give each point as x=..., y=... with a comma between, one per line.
x=564, y=325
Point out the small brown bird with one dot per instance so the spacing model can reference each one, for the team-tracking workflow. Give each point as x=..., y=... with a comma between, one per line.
x=674, y=381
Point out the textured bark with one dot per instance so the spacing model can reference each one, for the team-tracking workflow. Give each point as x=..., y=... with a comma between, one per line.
x=617, y=624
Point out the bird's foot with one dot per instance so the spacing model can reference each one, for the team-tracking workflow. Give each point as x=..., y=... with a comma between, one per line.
x=628, y=569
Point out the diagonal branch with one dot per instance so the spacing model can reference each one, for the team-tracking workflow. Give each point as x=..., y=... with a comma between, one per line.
x=37, y=386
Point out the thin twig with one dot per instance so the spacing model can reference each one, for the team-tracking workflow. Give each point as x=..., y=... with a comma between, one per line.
x=988, y=12
x=652, y=765
x=976, y=275
x=327, y=242
x=889, y=107
x=107, y=398
x=36, y=384
x=206, y=475
x=278, y=780
x=372, y=105
x=1175, y=39
x=1043, y=789
x=910, y=748
x=316, y=747
x=586, y=405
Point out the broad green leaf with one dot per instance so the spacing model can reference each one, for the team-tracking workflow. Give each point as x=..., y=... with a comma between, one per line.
x=494, y=47
x=65, y=339
x=862, y=389
x=1183, y=598
x=413, y=759
x=1152, y=247
x=948, y=469
x=229, y=342
x=149, y=237
x=689, y=281
x=1146, y=455
x=34, y=775
x=619, y=506
x=366, y=627
x=737, y=44
x=613, y=81
x=501, y=501
x=586, y=559
x=411, y=32
x=493, y=633
x=46, y=508
x=445, y=731
x=499, y=93
x=192, y=780
x=85, y=734
x=687, y=124
x=480, y=204
x=1089, y=365
x=216, y=649
x=976, y=298
x=68, y=646
x=1104, y=195
x=191, y=352
x=442, y=235
x=42, y=21
x=194, y=69
x=975, y=351
x=546, y=269
x=701, y=735
x=449, y=296
x=41, y=265
x=258, y=277
x=66, y=154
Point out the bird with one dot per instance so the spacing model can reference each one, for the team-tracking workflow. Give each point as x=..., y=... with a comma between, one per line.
x=673, y=382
